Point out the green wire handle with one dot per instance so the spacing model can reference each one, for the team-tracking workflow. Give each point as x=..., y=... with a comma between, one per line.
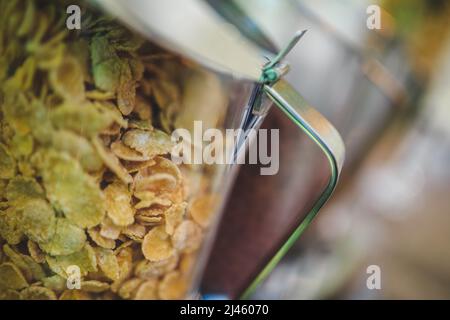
x=322, y=132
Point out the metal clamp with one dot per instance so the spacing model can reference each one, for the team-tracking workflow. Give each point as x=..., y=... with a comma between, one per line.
x=319, y=130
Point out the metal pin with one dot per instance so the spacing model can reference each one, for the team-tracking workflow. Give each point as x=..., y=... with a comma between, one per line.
x=283, y=53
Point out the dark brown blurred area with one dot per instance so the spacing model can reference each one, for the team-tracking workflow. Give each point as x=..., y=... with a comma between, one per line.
x=262, y=211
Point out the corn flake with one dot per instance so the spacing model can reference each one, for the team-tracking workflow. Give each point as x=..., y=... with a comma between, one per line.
x=10, y=226
x=9, y=294
x=35, y=252
x=83, y=118
x=135, y=166
x=55, y=283
x=126, y=91
x=112, y=162
x=149, y=143
x=67, y=79
x=187, y=263
x=157, y=245
x=70, y=189
x=118, y=204
x=148, y=199
x=172, y=286
x=20, y=189
x=21, y=145
x=38, y=293
x=187, y=236
x=125, y=262
x=202, y=208
x=30, y=269
x=135, y=232
x=148, y=220
x=126, y=153
x=11, y=277
x=147, y=290
x=106, y=64
x=94, y=286
x=162, y=182
x=85, y=259
x=109, y=230
x=108, y=263
x=79, y=148
x=129, y=288
x=94, y=234
x=148, y=269
x=174, y=216
x=7, y=163
x=37, y=220
x=75, y=295
x=67, y=239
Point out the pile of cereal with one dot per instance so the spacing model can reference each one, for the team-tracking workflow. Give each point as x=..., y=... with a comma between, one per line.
x=86, y=182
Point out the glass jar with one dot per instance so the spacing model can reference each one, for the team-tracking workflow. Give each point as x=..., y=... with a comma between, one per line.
x=114, y=155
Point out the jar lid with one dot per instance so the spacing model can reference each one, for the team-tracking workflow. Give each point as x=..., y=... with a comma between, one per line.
x=194, y=30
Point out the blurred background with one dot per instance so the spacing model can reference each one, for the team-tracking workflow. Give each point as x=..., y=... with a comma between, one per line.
x=392, y=208
x=387, y=92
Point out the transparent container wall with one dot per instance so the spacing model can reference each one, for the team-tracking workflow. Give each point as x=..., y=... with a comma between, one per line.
x=93, y=205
